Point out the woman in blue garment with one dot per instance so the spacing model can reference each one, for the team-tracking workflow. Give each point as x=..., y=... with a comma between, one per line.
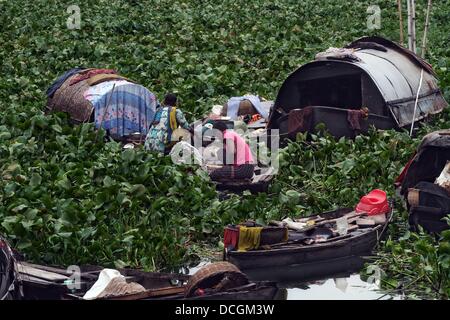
x=167, y=119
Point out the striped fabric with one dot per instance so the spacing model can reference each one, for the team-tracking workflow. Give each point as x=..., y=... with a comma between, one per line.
x=131, y=109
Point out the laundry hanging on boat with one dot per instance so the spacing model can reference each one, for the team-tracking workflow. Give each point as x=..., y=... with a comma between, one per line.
x=231, y=238
x=125, y=110
x=249, y=238
x=356, y=117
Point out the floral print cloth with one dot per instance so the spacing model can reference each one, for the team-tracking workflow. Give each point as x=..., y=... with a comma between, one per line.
x=95, y=93
x=157, y=137
x=127, y=109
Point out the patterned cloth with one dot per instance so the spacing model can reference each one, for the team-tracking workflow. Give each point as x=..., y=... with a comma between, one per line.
x=157, y=137
x=58, y=82
x=94, y=93
x=89, y=73
x=99, y=78
x=131, y=109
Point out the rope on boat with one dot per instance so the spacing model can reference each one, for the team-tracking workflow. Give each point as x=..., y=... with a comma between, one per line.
x=415, y=104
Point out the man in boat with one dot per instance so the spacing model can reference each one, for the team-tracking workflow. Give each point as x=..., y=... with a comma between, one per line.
x=167, y=118
x=237, y=156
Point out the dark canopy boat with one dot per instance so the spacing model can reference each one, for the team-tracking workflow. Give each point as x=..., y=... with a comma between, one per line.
x=371, y=82
x=9, y=285
x=217, y=281
x=428, y=203
x=301, y=258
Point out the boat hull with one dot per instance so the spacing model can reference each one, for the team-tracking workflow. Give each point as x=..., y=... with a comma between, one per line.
x=35, y=288
x=308, y=261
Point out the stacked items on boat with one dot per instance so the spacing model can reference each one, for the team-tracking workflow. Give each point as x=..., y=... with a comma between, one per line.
x=425, y=183
x=122, y=107
x=247, y=116
x=249, y=109
x=317, y=245
x=220, y=280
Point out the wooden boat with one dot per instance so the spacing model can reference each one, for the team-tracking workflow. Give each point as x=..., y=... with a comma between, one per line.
x=309, y=261
x=374, y=85
x=49, y=283
x=8, y=275
x=259, y=183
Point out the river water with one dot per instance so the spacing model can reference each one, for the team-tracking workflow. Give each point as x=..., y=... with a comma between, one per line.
x=339, y=287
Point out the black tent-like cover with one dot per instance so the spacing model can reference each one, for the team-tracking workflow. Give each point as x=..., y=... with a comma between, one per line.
x=380, y=75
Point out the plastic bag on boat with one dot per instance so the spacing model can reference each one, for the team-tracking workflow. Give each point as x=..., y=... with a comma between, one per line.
x=342, y=226
x=105, y=277
x=444, y=178
x=211, y=154
x=341, y=284
x=217, y=109
x=111, y=283
x=185, y=153
x=291, y=224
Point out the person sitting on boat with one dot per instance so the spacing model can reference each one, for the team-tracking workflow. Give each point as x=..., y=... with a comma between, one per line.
x=167, y=118
x=237, y=156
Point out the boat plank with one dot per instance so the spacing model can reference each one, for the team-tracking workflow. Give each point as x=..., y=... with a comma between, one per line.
x=150, y=294
x=91, y=275
x=42, y=274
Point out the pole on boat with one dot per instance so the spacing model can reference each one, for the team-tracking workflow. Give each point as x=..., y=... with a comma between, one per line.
x=425, y=30
x=415, y=104
x=413, y=25
x=400, y=18
x=408, y=3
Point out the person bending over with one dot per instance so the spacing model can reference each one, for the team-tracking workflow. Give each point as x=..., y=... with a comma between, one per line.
x=237, y=158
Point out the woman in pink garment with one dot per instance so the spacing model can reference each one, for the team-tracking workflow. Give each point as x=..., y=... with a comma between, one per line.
x=237, y=157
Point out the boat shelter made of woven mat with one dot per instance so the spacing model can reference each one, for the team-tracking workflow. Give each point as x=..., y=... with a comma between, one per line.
x=69, y=98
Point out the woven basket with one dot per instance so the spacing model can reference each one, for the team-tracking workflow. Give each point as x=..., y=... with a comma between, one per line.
x=69, y=98
x=413, y=197
x=213, y=274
